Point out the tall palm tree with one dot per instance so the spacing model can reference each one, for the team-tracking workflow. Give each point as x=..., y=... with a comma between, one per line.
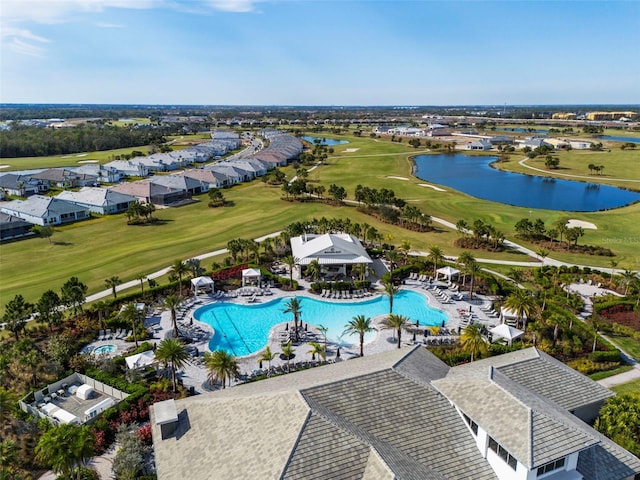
x=523, y=305
x=360, y=325
x=112, y=283
x=313, y=269
x=436, y=256
x=627, y=279
x=464, y=259
x=293, y=306
x=473, y=268
x=393, y=257
x=65, y=449
x=173, y=351
x=221, y=366
x=323, y=330
x=171, y=303
x=391, y=291
x=473, y=341
x=290, y=261
x=141, y=278
x=317, y=349
x=179, y=268
x=396, y=323
x=287, y=351
x=131, y=314
x=267, y=356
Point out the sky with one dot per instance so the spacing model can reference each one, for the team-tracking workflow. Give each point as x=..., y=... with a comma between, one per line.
x=320, y=52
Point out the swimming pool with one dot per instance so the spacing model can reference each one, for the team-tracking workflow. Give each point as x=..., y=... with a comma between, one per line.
x=104, y=350
x=244, y=329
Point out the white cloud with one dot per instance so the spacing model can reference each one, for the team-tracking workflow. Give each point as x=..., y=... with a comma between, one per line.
x=24, y=48
x=20, y=40
x=238, y=6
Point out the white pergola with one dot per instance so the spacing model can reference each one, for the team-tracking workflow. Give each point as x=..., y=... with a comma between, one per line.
x=447, y=272
x=507, y=332
x=204, y=283
x=251, y=276
x=509, y=316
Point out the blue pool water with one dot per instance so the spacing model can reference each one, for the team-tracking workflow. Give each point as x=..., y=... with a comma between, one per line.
x=104, y=349
x=330, y=142
x=473, y=175
x=244, y=329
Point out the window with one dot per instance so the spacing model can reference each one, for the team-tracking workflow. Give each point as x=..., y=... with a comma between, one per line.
x=472, y=425
x=551, y=466
x=503, y=453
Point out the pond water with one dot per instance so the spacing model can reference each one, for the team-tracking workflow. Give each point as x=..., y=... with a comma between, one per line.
x=619, y=139
x=472, y=175
x=330, y=142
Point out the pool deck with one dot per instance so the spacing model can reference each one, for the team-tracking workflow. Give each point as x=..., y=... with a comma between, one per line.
x=195, y=374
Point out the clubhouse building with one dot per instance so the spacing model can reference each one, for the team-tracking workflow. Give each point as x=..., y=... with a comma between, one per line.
x=402, y=414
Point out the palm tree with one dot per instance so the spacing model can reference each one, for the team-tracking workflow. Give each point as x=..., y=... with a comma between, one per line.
x=396, y=323
x=391, y=291
x=464, y=259
x=141, y=278
x=435, y=256
x=323, y=330
x=543, y=253
x=393, y=257
x=171, y=303
x=287, y=351
x=290, y=261
x=293, y=306
x=317, y=349
x=473, y=341
x=522, y=304
x=112, y=283
x=173, y=351
x=65, y=449
x=266, y=356
x=179, y=268
x=313, y=269
x=473, y=268
x=360, y=325
x=131, y=314
x=627, y=278
x=221, y=366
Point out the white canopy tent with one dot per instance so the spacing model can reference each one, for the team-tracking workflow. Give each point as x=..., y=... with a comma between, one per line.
x=140, y=360
x=509, y=316
x=447, y=272
x=204, y=283
x=251, y=276
x=507, y=332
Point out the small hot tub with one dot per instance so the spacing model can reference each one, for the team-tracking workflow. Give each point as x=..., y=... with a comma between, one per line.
x=104, y=350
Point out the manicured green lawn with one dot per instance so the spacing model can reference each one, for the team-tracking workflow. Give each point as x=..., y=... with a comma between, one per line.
x=630, y=388
x=621, y=167
x=628, y=344
x=102, y=247
x=610, y=373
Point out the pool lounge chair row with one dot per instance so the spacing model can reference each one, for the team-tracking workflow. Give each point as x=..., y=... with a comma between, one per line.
x=344, y=294
x=121, y=333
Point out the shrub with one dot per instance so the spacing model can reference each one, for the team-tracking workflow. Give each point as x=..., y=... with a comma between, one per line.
x=605, y=356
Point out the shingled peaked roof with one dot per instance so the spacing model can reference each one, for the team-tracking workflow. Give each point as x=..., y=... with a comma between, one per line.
x=394, y=415
x=329, y=248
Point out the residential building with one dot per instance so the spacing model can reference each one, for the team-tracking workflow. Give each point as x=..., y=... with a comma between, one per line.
x=13, y=227
x=99, y=200
x=65, y=178
x=208, y=178
x=595, y=116
x=41, y=210
x=148, y=192
x=564, y=116
x=579, y=145
x=128, y=168
x=22, y=185
x=187, y=184
x=479, y=144
x=402, y=414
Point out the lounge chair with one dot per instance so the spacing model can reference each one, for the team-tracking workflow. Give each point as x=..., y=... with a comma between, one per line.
x=117, y=334
x=107, y=334
x=101, y=336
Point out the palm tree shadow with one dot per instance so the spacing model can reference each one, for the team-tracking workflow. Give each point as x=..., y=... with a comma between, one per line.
x=62, y=243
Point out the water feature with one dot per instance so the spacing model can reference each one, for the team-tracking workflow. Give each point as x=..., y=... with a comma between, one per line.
x=104, y=350
x=329, y=142
x=473, y=175
x=244, y=329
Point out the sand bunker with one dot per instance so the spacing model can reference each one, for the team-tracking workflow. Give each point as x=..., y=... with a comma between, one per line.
x=5, y=166
x=438, y=189
x=579, y=223
x=87, y=161
x=350, y=150
x=399, y=178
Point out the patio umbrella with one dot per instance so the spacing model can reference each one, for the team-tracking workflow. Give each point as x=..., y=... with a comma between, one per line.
x=414, y=336
x=338, y=353
x=286, y=327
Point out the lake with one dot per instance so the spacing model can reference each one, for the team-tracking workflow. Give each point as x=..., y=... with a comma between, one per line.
x=330, y=142
x=472, y=175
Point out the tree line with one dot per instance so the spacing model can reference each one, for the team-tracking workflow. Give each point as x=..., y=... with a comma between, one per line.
x=23, y=141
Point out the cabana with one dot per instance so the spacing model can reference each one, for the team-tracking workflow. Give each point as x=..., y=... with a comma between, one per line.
x=140, y=360
x=251, y=276
x=507, y=332
x=204, y=283
x=510, y=317
x=447, y=272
